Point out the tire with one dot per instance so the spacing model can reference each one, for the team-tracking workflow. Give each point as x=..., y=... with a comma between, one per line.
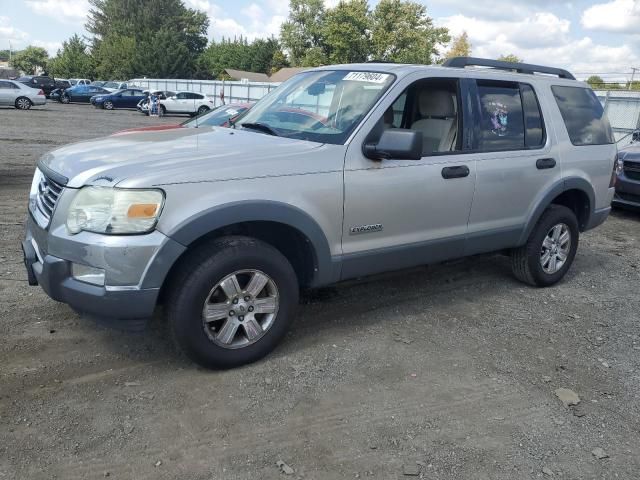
x=203, y=110
x=65, y=99
x=529, y=263
x=197, y=283
x=163, y=111
x=108, y=105
x=23, y=103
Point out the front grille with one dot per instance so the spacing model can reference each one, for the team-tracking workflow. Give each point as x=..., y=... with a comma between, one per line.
x=629, y=197
x=632, y=170
x=47, y=197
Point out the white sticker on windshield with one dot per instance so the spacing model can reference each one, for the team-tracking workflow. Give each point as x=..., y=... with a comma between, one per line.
x=231, y=112
x=371, y=77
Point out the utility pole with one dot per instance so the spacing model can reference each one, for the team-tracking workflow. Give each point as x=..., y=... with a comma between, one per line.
x=10, y=52
x=633, y=74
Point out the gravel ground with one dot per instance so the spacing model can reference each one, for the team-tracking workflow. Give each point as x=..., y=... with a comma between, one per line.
x=442, y=372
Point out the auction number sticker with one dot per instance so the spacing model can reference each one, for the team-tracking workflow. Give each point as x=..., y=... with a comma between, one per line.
x=371, y=77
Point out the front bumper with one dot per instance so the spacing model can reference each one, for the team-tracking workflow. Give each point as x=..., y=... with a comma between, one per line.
x=134, y=298
x=627, y=191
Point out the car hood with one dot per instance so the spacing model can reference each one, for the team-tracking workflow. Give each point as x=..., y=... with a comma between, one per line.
x=630, y=152
x=178, y=155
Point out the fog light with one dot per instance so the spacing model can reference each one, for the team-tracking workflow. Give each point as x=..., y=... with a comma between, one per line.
x=87, y=274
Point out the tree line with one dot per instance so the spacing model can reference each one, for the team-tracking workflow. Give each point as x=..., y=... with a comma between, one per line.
x=166, y=39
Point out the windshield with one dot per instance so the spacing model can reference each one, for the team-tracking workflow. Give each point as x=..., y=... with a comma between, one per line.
x=321, y=106
x=218, y=117
x=112, y=85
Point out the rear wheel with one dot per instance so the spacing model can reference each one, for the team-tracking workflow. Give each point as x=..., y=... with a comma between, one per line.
x=23, y=103
x=550, y=250
x=231, y=301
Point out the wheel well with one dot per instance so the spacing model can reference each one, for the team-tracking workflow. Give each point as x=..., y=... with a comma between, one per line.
x=578, y=202
x=293, y=244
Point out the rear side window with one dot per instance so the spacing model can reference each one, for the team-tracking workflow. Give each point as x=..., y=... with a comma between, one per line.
x=583, y=116
x=501, y=116
x=534, y=135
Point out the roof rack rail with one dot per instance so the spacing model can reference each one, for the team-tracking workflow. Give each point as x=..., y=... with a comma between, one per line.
x=462, y=62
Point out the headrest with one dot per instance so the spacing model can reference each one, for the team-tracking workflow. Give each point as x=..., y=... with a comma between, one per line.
x=436, y=103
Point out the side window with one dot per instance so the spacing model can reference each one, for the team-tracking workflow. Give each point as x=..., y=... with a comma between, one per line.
x=583, y=116
x=182, y=96
x=5, y=85
x=501, y=116
x=534, y=133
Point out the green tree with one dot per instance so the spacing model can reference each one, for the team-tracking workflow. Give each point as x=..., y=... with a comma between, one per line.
x=166, y=37
x=460, y=46
x=73, y=60
x=346, y=32
x=303, y=29
x=401, y=31
x=595, y=81
x=510, y=57
x=30, y=59
x=115, y=57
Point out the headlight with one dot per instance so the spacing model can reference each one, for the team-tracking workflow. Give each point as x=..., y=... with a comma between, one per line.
x=114, y=210
x=33, y=193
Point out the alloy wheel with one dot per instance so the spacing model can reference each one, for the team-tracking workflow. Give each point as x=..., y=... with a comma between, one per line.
x=23, y=103
x=240, y=309
x=555, y=248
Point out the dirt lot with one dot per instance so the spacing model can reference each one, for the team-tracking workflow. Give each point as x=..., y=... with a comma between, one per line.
x=448, y=372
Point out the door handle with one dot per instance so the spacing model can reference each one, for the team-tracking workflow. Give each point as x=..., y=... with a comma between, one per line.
x=458, y=171
x=544, y=163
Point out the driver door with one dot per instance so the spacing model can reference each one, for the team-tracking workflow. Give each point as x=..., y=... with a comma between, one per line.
x=400, y=213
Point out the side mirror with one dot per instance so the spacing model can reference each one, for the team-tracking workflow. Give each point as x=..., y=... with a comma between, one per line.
x=395, y=143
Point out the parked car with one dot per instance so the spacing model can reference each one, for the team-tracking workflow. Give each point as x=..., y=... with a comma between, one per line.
x=80, y=93
x=61, y=84
x=143, y=105
x=19, y=95
x=39, y=82
x=98, y=83
x=223, y=116
x=114, y=86
x=190, y=103
x=127, y=98
x=79, y=81
x=628, y=175
x=402, y=165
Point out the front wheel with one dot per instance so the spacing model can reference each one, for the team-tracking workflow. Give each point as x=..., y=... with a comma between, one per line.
x=202, y=110
x=108, y=105
x=550, y=250
x=65, y=99
x=231, y=301
x=23, y=103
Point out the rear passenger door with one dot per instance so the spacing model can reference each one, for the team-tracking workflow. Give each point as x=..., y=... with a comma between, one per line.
x=7, y=93
x=516, y=163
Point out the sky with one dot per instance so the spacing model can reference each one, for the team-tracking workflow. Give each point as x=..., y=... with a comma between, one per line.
x=585, y=36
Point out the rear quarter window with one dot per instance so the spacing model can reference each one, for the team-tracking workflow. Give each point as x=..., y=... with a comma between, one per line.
x=583, y=116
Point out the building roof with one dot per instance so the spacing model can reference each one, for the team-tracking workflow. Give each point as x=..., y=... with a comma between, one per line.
x=242, y=75
x=278, y=77
x=286, y=73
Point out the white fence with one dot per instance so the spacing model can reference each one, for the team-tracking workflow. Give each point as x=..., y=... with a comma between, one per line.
x=623, y=109
x=233, y=91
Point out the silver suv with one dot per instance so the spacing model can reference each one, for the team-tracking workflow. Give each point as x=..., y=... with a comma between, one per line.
x=342, y=171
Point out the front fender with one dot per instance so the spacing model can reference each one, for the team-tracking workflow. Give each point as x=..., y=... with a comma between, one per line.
x=207, y=221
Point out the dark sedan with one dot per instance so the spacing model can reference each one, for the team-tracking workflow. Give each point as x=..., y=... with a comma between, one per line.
x=80, y=93
x=628, y=177
x=127, y=98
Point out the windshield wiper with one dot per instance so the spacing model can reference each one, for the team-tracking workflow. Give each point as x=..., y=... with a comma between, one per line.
x=260, y=126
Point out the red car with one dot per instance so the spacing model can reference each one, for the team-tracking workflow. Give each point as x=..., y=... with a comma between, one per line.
x=220, y=117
